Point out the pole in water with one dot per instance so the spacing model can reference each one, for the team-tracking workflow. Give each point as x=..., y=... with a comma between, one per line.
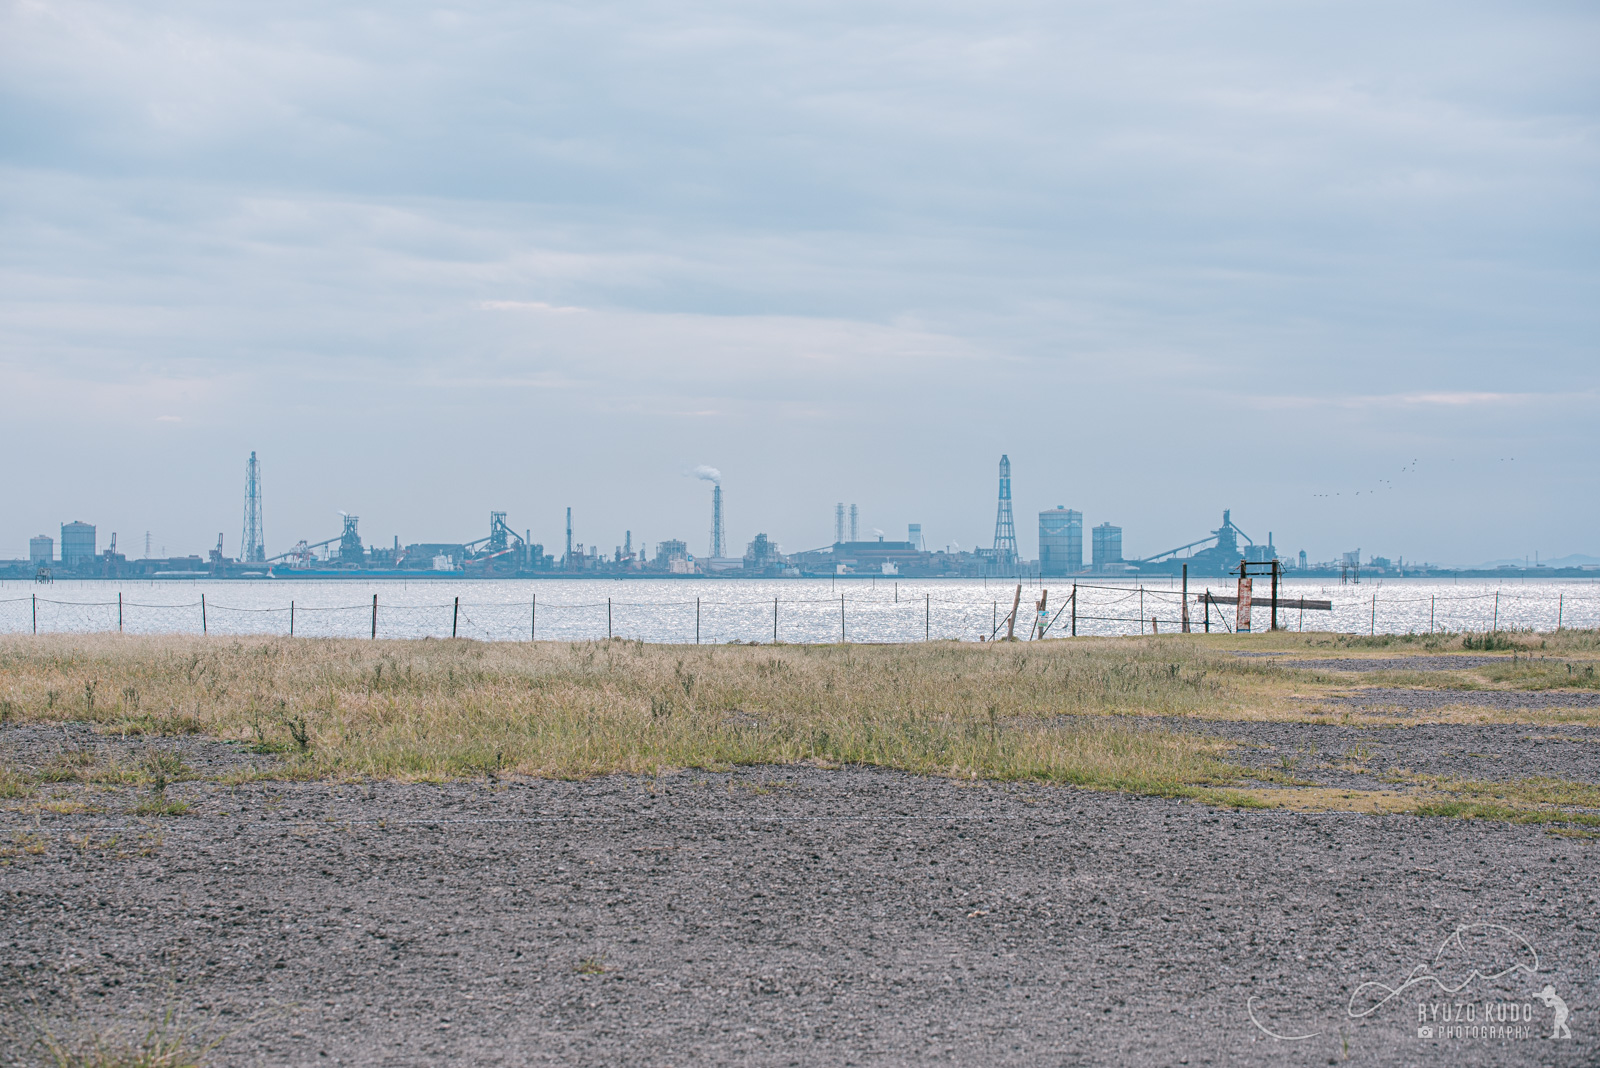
x=374, y=617
x=202, y=613
x=455, y=614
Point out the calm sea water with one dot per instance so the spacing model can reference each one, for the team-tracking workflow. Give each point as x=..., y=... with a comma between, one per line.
x=882, y=610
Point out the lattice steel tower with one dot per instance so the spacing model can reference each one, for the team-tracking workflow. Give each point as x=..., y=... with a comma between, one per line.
x=253, y=546
x=1005, y=528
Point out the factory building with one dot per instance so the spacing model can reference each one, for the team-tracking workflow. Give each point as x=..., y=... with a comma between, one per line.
x=41, y=550
x=1107, y=549
x=77, y=545
x=1060, y=541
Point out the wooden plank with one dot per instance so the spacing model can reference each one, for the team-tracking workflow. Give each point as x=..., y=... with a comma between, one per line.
x=1266, y=602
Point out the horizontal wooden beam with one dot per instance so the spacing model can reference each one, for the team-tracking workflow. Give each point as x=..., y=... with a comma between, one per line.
x=1266, y=602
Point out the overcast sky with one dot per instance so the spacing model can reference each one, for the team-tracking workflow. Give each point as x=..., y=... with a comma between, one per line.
x=1331, y=265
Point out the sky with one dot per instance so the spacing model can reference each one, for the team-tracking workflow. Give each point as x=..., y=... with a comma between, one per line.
x=1331, y=265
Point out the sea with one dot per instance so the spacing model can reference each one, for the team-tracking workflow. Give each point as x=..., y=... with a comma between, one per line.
x=717, y=611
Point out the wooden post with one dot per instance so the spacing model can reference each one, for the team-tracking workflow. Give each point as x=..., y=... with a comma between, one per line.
x=119, y=612
x=697, y=621
x=455, y=614
x=1561, y=603
x=374, y=617
x=1074, y=609
x=291, y=619
x=774, y=621
x=1184, y=611
x=1241, y=610
x=202, y=613
x=1141, y=608
x=1372, y=625
x=1432, y=600
x=1041, y=615
x=608, y=617
x=1496, y=610
x=533, y=620
x=841, y=617
x=1274, y=594
x=927, y=617
x=1208, y=609
x=1011, y=627
x=36, y=613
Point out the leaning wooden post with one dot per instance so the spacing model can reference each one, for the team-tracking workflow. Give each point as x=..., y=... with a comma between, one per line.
x=455, y=614
x=202, y=613
x=1011, y=627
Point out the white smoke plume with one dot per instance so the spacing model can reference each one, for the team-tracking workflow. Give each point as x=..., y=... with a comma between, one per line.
x=710, y=474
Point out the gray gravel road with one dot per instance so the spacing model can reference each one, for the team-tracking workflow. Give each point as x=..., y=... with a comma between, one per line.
x=781, y=916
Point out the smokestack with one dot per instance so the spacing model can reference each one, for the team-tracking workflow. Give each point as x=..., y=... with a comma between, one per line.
x=855, y=517
x=838, y=522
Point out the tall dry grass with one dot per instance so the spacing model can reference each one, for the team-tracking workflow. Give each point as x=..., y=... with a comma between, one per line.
x=449, y=708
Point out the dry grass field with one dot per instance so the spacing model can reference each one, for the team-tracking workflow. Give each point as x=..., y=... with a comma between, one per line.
x=1072, y=712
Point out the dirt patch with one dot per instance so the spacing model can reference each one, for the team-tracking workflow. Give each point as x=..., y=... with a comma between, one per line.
x=1395, y=663
x=780, y=915
x=1397, y=699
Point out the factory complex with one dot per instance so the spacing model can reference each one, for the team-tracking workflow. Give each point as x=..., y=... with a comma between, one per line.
x=503, y=552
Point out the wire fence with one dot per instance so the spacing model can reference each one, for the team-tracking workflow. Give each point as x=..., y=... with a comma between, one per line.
x=968, y=614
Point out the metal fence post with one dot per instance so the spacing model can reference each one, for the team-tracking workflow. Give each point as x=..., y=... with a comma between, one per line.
x=455, y=614
x=1074, y=609
x=841, y=617
x=533, y=621
x=1496, y=610
x=203, y=614
x=291, y=619
x=927, y=617
x=36, y=613
x=608, y=617
x=119, y=612
x=774, y=621
x=1372, y=625
x=697, y=621
x=374, y=617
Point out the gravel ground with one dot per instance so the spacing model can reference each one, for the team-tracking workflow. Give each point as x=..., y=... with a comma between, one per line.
x=1401, y=700
x=1325, y=753
x=793, y=916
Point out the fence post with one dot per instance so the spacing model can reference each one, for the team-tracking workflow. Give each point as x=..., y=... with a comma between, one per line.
x=291, y=619
x=1372, y=625
x=697, y=621
x=841, y=617
x=1074, y=609
x=608, y=617
x=202, y=613
x=119, y=613
x=1184, y=609
x=1496, y=612
x=774, y=621
x=455, y=614
x=1561, y=603
x=927, y=617
x=1208, y=609
x=533, y=621
x=374, y=617
x=36, y=613
x=1141, y=608
x=1433, y=600
x=1274, y=594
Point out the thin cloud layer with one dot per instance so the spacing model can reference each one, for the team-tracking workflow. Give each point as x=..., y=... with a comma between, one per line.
x=838, y=250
